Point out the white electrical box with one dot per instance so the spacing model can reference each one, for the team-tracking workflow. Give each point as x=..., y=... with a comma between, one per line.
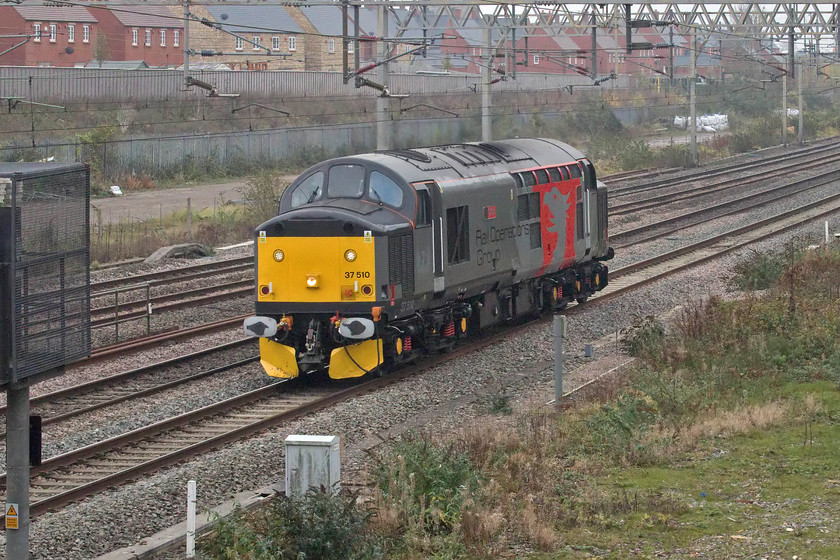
x=312, y=461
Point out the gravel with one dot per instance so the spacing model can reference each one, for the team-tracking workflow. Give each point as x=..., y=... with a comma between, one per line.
x=519, y=366
x=128, y=513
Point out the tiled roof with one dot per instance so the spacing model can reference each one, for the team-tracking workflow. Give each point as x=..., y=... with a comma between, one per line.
x=146, y=16
x=55, y=13
x=326, y=19
x=254, y=19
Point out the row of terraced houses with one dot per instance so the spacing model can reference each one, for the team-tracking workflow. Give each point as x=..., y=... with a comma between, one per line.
x=304, y=38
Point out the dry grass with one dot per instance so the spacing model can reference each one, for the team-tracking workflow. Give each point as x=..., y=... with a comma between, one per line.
x=719, y=423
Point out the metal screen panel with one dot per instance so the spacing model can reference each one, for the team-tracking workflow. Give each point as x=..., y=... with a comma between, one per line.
x=45, y=212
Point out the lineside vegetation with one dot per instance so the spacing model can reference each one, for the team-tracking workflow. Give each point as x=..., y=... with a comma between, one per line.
x=721, y=441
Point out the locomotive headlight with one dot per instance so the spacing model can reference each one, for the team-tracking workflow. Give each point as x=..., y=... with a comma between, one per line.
x=311, y=281
x=279, y=255
x=350, y=255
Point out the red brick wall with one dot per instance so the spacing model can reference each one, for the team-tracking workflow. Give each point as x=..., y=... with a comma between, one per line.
x=44, y=52
x=122, y=47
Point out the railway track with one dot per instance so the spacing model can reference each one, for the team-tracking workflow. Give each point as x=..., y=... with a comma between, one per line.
x=640, y=185
x=177, y=275
x=137, y=383
x=721, y=186
x=669, y=226
x=71, y=476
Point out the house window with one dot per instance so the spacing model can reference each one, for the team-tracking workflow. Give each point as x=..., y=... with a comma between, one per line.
x=536, y=59
x=292, y=43
x=256, y=40
x=71, y=33
x=239, y=43
x=163, y=37
x=133, y=37
x=458, y=234
x=148, y=37
x=351, y=47
x=52, y=33
x=37, y=38
x=275, y=43
x=176, y=38
x=86, y=34
x=331, y=45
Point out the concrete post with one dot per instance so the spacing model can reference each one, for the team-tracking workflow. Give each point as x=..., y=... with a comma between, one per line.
x=693, y=161
x=801, y=112
x=383, y=103
x=17, y=470
x=486, y=120
x=559, y=356
x=784, y=111
x=594, y=20
x=186, y=44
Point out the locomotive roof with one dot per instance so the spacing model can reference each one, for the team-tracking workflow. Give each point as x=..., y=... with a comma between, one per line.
x=473, y=159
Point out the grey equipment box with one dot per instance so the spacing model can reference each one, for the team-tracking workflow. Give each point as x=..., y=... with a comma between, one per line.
x=312, y=462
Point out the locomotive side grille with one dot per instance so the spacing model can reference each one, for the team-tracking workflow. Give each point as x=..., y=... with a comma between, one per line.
x=522, y=207
x=401, y=262
x=536, y=236
x=602, y=217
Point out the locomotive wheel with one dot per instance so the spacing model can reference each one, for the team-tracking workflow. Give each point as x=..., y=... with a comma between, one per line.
x=582, y=300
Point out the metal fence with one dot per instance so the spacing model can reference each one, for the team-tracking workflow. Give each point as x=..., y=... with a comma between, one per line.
x=67, y=85
x=45, y=259
x=244, y=151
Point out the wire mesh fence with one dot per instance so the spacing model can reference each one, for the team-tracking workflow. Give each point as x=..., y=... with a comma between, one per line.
x=45, y=257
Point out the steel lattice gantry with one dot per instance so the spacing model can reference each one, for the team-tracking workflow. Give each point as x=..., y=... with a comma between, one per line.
x=754, y=19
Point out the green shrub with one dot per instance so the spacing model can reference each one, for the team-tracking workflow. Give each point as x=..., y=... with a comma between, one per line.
x=427, y=484
x=758, y=271
x=261, y=195
x=644, y=338
x=321, y=526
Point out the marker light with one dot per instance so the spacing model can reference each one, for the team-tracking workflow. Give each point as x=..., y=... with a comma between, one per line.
x=312, y=281
x=278, y=255
x=350, y=255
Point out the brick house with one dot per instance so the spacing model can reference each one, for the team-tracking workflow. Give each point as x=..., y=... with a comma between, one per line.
x=58, y=36
x=325, y=43
x=148, y=33
x=260, y=27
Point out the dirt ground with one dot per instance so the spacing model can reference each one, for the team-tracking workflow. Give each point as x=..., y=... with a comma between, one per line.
x=142, y=205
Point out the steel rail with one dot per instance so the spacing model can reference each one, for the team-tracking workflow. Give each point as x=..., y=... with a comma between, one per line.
x=783, y=191
x=718, y=187
x=156, y=339
x=175, y=275
x=726, y=169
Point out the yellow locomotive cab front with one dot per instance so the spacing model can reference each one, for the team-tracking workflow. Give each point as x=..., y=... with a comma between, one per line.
x=303, y=275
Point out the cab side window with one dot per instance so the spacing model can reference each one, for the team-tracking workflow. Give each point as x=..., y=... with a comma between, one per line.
x=346, y=181
x=383, y=189
x=309, y=190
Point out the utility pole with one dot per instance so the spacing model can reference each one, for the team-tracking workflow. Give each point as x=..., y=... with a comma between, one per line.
x=486, y=120
x=836, y=29
x=17, y=470
x=692, y=154
x=671, y=54
x=801, y=114
x=593, y=20
x=784, y=111
x=186, y=44
x=345, y=59
x=791, y=51
x=383, y=102
x=617, y=55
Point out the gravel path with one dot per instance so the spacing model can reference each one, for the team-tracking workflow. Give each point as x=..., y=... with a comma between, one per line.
x=516, y=366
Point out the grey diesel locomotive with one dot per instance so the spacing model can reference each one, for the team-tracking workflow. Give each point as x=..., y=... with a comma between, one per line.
x=378, y=258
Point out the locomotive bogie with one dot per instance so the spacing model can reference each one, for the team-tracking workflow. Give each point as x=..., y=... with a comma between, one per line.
x=378, y=259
